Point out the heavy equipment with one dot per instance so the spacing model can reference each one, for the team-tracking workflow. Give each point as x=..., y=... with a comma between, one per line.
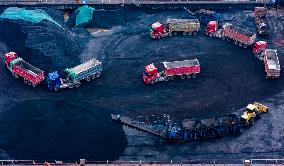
x=228, y=31
x=197, y=129
x=173, y=27
x=183, y=69
x=261, y=20
x=271, y=62
x=252, y=113
x=20, y=68
x=203, y=15
x=258, y=49
x=88, y=70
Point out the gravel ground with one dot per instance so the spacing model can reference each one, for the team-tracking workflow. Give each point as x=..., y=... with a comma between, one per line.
x=75, y=123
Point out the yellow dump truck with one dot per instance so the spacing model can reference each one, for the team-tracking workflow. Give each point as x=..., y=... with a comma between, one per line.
x=252, y=113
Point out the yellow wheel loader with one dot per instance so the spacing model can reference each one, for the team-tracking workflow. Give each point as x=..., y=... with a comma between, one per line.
x=252, y=113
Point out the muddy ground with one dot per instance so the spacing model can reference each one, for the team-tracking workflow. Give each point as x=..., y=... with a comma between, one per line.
x=73, y=124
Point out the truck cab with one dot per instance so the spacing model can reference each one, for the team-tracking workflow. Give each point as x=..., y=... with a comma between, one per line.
x=53, y=81
x=212, y=27
x=259, y=47
x=157, y=30
x=150, y=73
x=9, y=57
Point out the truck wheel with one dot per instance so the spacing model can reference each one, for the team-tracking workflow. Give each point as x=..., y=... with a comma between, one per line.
x=56, y=89
x=71, y=86
x=182, y=77
x=172, y=77
x=175, y=33
x=228, y=39
x=29, y=83
x=25, y=81
x=194, y=75
x=93, y=76
x=88, y=79
x=184, y=33
x=77, y=85
x=245, y=46
x=16, y=76
x=98, y=74
x=236, y=42
x=33, y=85
x=152, y=82
x=167, y=78
x=189, y=33
x=188, y=76
x=170, y=34
x=223, y=37
x=195, y=32
x=252, y=122
x=210, y=35
x=240, y=44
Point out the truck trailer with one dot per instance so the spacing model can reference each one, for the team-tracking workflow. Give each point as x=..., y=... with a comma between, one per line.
x=173, y=27
x=271, y=62
x=183, y=69
x=89, y=70
x=261, y=22
x=228, y=31
x=20, y=68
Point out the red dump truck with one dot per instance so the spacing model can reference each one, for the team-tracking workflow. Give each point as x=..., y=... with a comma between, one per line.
x=19, y=68
x=271, y=62
x=183, y=69
x=173, y=27
x=228, y=31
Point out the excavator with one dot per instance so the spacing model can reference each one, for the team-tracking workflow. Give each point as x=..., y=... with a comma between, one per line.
x=252, y=113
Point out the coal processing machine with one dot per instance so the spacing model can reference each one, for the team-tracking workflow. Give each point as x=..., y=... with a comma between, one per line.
x=171, y=70
x=20, y=68
x=86, y=71
x=198, y=129
x=174, y=27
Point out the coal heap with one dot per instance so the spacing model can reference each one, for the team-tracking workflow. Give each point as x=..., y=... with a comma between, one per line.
x=47, y=45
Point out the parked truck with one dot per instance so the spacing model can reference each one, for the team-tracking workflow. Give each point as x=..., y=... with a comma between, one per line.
x=183, y=69
x=228, y=31
x=261, y=20
x=89, y=70
x=173, y=27
x=271, y=62
x=20, y=68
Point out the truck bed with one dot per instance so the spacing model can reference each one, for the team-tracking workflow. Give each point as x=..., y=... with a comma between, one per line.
x=28, y=68
x=86, y=69
x=84, y=66
x=239, y=34
x=179, y=64
x=272, y=60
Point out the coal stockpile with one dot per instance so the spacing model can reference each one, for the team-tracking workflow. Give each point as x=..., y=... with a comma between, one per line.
x=53, y=45
x=75, y=123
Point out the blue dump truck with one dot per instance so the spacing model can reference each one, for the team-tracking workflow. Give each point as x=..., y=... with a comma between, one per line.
x=89, y=70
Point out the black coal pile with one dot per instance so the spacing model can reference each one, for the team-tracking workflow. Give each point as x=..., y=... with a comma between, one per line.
x=47, y=45
x=72, y=130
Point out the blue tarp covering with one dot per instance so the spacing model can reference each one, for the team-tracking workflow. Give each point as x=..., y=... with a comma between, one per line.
x=85, y=14
x=35, y=16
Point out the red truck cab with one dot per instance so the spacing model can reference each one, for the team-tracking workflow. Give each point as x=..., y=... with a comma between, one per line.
x=259, y=47
x=156, y=30
x=150, y=73
x=9, y=57
x=211, y=27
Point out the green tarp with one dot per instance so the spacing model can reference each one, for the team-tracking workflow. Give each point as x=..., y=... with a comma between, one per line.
x=70, y=73
x=35, y=16
x=85, y=14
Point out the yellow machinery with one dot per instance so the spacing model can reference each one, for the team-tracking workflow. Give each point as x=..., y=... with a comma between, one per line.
x=252, y=113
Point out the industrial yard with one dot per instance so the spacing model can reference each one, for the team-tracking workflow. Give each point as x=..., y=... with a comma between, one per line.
x=76, y=123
